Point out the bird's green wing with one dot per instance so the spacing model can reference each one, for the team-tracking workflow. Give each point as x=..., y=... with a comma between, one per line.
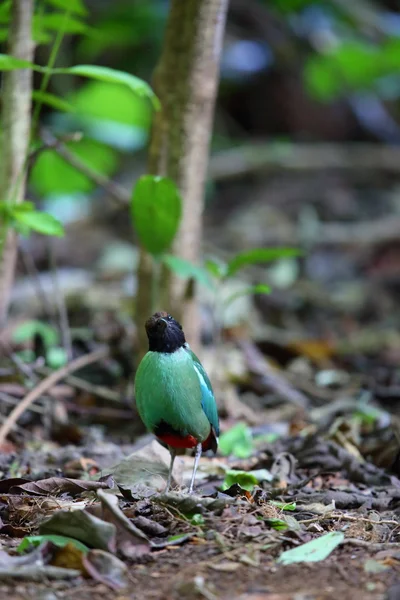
x=208, y=402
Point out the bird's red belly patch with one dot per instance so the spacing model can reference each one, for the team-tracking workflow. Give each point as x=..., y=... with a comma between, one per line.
x=177, y=441
x=188, y=441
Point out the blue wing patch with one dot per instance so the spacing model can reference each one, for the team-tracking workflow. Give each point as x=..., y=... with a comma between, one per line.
x=208, y=402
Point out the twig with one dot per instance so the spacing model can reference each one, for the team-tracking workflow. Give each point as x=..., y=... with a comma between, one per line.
x=33, y=273
x=7, y=399
x=349, y=518
x=45, y=386
x=257, y=364
x=86, y=386
x=268, y=157
x=116, y=192
x=60, y=301
x=374, y=546
x=19, y=364
x=38, y=573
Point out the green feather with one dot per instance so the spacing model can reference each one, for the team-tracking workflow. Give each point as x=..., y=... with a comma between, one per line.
x=168, y=388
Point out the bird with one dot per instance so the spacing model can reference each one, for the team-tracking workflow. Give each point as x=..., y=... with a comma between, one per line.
x=174, y=396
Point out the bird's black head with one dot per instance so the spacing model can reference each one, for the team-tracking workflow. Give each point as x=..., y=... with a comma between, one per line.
x=164, y=333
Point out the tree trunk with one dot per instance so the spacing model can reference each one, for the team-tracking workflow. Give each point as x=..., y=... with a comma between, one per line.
x=16, y=122
x=185, y=81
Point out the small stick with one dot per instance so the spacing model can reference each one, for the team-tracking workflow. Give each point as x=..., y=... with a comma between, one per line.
x=45, y=385
x=374, y=546
x=116, y=192
x=349, y=518
x=81, y=384
x=60, y=301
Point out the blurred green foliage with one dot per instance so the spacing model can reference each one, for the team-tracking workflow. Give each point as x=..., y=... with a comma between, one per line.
x=352, y=66
x=52, y=175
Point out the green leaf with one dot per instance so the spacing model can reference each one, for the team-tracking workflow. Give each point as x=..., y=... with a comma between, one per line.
x=277, y=524
x=10, y=63
x=283, y=505
x=112, y=102
x=56, y=357
x=197, y=519
x=39, y=221
x=138, y=86
x=258, y=255
x=351, y=66
x=73, y=6
x=216, y=268
x=3, y=34
x=246, y=479
x=156, y=210
x=24, y=206
x=313, y=551
x=28, y=329
x=5, y=12
x=59, y=21
x=242, y=478
x=51, y=175
x=254, y=289
x=237, y=441
x=59, y=540
x=187, y=270
x=53, y=101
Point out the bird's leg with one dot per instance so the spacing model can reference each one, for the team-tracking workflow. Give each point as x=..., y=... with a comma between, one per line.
x=196, y=464
x=172, y=451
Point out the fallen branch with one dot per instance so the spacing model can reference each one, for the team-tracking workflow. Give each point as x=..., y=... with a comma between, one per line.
x=269, y=157
x=270, y=378
x=38, y=573
x=374, y=546
x=81, y=384
x=336, y=517
x=45, y=385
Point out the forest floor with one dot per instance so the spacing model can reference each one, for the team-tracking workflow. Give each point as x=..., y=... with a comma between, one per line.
x=307, y=383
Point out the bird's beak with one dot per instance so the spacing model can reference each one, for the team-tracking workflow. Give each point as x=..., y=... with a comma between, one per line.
x=164, y=322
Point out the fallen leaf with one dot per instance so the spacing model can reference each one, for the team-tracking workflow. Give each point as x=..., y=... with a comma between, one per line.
x=54, y=486
x=317, y=350
x=150, y=527
x=189, y=504
x=106, y=568
x=130, y=539
x=69, y=557
x=82, y=526
x=313, y=551
x=6, y=484
x=277, y=524
x=58, y=540
x=33, y=565
x=174, y=540
x=147, y=467
x=283, y=505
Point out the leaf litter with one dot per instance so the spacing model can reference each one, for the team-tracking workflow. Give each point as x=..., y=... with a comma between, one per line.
x=306, y=482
